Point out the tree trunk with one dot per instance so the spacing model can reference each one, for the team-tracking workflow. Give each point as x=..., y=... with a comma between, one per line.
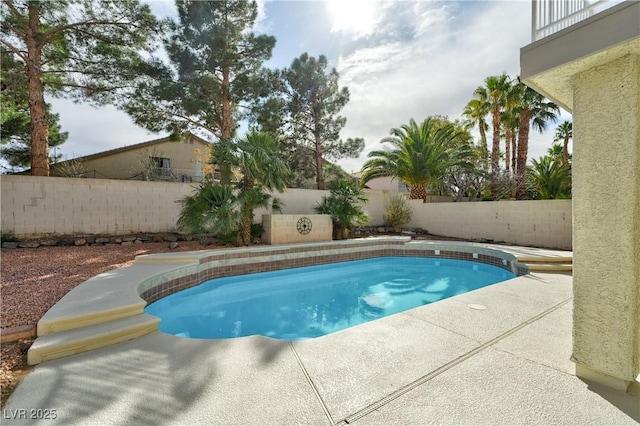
x=340, y=232
x=523, y=149
x=418, y=193
x=514, y=150
x=495, y=149
x=319, y=171
x=37, y=106
x=245, y=226
x=226, y=127
x=495, y=153
x=484, y=148
x=318, y=144
x=507, y=148
x=514, y=168
x=565, y=151
x=247, y=215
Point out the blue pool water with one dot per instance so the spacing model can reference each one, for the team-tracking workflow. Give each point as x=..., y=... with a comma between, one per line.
x=302, y=303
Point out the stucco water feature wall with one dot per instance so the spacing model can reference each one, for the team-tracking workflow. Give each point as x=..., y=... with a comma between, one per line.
x=296, y=228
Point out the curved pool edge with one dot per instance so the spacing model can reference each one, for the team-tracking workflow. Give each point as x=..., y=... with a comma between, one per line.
x=109, y=308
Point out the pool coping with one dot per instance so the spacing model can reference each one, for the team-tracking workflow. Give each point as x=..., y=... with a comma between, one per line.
x=109, y=308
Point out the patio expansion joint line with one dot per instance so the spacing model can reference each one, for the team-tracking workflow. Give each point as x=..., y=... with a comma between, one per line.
x=438, y=371
x=313, y=386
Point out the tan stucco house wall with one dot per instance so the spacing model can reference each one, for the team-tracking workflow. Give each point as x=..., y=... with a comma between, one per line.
x=592, y=68
x=176, y=161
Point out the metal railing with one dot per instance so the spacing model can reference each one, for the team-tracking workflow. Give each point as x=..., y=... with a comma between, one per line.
x=550, y=16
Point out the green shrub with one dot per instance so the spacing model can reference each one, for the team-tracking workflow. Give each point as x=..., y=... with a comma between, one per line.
x=344, y=204
x=7, y=237
x=397, y=211
x=257, y=229
x=231, y=238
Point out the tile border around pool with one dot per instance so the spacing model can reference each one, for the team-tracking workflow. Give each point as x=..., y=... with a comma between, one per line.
x=240, y=261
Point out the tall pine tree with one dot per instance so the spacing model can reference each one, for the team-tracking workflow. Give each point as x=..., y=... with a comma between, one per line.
x=84, y=49
x=15, y=121
x=314, y=100
x=214, y=75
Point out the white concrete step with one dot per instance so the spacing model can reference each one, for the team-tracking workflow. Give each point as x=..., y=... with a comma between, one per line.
x=545, y=259
x=71, y=342
x=547, y=264
x=549, y=267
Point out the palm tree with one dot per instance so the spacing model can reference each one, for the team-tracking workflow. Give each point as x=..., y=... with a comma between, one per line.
x=509, y=121
x=564, y=132
x=227, y=208
x=344, y=204
x=212, y=209
x=476, y=112
x=422, y=155
x=494, y=93
x=550, y=179
x=263, y=169
x=555, y=152
x=533, y=109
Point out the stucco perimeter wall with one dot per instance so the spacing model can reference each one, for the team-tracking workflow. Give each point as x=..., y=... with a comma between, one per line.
x=543, y=223
x=40, y=206
x=296, y=228
x=36, y=207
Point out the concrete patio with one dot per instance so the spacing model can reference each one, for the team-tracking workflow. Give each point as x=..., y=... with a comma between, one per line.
x=450, y=362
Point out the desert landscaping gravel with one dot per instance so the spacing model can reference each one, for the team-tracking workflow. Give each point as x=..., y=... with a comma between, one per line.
x=34, y=279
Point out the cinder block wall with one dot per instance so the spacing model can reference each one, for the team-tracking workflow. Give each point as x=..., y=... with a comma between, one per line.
x=35, y=207
x=543, y=223
x=40, y=206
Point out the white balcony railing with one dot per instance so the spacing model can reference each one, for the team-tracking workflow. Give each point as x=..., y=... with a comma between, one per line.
x=551, y=16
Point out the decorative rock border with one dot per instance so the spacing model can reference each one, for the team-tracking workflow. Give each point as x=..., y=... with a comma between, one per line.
x=93, y=240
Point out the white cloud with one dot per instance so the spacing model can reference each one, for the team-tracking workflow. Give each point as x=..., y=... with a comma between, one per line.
x=261, y=25
x=356, y=17
x=430, y=67
x=163, y=9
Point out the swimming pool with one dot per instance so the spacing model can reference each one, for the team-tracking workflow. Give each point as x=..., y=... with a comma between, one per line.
x=307, y=302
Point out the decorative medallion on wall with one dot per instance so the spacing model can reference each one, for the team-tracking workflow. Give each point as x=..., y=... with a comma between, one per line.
x=304, y=225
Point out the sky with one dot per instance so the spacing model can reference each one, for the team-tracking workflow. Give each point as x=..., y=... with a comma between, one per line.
x=399, y=59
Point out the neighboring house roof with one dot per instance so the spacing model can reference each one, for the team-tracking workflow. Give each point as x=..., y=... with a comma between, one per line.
x=135, y=147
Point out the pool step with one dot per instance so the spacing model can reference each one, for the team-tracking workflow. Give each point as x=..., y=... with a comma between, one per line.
x=71, y=342
x=549, y=267
x=547, y=264
x=57, y=324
